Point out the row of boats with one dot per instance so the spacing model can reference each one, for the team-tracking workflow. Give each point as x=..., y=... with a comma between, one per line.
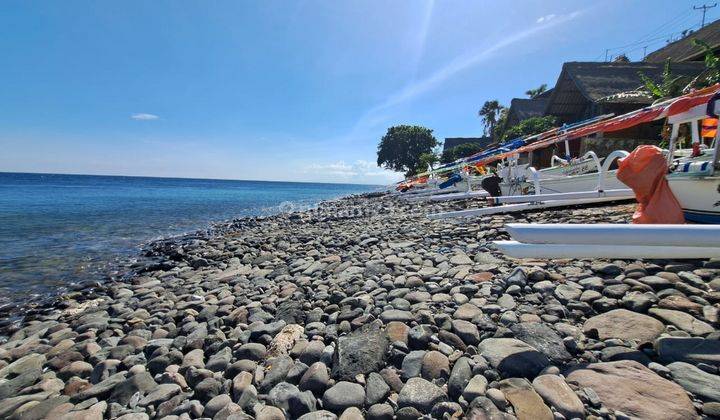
x=692, y=174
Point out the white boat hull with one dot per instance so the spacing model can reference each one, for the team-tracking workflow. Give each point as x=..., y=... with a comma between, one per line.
x=568, y=184
x=615, y=234
x=520, y=250
x=699, y=196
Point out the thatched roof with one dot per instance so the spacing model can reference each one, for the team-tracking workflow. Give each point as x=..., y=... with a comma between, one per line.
x=683, y=49
x=582, y=84
x=522, y=108
x=451, y=142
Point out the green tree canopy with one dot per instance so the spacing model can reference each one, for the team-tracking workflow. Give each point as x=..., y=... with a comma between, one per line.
x=533, y=93
x=711, y=75
x=401, y=148
x=490, y=113
x=530, y=126
x=428, y=161
x=669, y=87
x=460, y=151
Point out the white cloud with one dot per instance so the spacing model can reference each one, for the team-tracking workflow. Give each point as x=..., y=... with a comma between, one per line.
x=361, y=171
x=545, y=18
x=144, y=117
x=376, y=114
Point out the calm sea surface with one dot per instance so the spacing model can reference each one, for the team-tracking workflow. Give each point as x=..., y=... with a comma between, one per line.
x=60, y=229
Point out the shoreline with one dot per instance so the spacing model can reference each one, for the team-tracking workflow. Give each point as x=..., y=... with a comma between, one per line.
x=363, y=306
x=117, y=265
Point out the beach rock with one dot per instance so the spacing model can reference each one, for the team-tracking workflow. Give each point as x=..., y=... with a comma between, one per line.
x=435, y=365
x=686, y=349
x=396, y=315
x=512, y=357
x=544, y=339
x=467, y=331
x=159, y=394
x=276, y=373
x=412, y=364
x=625, y=325
x=558, y=394
x=682, y=320
x=216, y=404
x=380, y=412
x=32, y=361
x=100, y=390
x=316, y=378
x=41, y=409
x=527, y=403
x=421, y=395
x=475, y=387
x=141, y=383
x=25, y=379
x=343, y=395
x=376, y=390
x=459, y=377
x=635, y=390
x=702, y=384
x=360, y=352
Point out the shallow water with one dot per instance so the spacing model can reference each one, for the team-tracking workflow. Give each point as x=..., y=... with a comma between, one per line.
x=59, y=229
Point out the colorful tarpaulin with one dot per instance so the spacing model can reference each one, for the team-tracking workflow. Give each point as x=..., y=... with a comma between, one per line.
x=661, y=110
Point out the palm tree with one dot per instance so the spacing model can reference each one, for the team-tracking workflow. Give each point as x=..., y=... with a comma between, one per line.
x=533, y=93
x=489, y=113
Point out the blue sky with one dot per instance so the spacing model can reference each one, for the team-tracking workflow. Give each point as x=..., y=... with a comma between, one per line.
x=282, y=90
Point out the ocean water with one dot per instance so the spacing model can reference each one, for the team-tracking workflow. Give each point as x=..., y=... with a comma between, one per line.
x=56, y=230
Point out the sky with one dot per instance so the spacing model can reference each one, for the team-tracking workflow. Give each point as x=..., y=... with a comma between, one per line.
x=283, y=90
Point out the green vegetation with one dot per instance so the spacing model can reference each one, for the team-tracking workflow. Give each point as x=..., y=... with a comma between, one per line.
x=669, y=87
x=711, y=75
x=428, y=161
x=534, y=93
x=402, y=147
x=530, y=126
x=461, y=151
x=491, y=113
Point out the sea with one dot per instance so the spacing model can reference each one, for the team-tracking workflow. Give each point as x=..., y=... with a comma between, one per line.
x=60, y=230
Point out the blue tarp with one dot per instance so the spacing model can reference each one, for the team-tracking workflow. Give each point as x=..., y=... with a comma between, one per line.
x=502, y=148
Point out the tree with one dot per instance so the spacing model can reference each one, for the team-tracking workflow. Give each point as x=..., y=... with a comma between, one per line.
x=401, y=147
x=489, y=113
x=711, y=75
x=501, y=124
x=534, y=93
x=669, y=87
x=428, y=161
x=530, y=126
x=460, y=151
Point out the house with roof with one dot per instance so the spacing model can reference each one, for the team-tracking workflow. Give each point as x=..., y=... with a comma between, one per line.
x=523, y=108
x=684, y=50
x=452, y=142
x=588, y=89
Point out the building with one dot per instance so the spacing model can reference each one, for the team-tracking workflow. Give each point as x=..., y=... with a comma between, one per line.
x=588, y=89
x=451, y=142
x=524, y=108
x=684, y=50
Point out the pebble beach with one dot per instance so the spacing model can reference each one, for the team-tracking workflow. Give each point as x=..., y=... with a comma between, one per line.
x=364, y=308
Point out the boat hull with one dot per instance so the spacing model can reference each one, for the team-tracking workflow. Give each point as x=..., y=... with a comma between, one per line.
x=567, y=184
x=699, y=197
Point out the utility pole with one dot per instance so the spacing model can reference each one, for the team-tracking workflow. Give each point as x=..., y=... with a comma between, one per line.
x=606, y=53
x=644, y=52
x=704, y=8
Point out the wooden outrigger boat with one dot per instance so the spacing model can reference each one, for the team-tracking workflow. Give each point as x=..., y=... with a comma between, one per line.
x=694, y=180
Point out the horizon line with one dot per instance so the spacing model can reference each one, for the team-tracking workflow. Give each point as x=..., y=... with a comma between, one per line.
x=188, y=178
